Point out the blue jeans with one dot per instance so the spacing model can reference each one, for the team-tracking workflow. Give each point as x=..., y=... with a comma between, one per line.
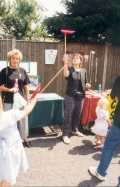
x=112, y=141
x=118, y=182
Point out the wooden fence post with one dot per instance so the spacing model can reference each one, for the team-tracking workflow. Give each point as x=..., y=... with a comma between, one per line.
x=105, y=66
x=13, y=43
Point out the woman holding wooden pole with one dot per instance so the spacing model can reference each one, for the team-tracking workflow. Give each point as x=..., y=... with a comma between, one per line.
x=75, y=93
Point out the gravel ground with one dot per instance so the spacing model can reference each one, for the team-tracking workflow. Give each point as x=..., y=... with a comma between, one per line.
x=52, y=163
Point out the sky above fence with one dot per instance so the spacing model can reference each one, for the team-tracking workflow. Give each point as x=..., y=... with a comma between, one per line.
x=51, y=7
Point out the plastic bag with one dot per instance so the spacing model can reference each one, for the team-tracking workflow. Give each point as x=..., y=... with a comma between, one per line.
x=19, y=101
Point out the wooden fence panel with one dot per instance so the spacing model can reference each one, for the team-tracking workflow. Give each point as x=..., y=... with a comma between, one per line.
x=97, y=74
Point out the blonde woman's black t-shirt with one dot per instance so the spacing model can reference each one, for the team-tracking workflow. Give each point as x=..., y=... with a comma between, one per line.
x=8, y=77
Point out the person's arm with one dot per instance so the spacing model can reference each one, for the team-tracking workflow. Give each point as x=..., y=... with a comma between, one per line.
x=26, y=85
x=18, y=114
x=26, y=92
x=5, y=89
x=66, y=69
x=29, y=107
x=87, y=84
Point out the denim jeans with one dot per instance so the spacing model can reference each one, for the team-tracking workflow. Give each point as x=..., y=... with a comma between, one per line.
x=111, y=143
x=118, y=182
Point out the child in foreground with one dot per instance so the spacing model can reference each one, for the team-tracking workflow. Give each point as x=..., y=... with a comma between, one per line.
x=12, y=155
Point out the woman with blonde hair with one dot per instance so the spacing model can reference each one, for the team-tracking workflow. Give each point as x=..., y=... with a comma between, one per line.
x=15, y=79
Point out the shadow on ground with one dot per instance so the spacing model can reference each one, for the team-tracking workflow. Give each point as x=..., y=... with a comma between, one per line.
x=85, y=149
x=39, y=138
x=96, y=156
x=49, y=142
x=89, y=183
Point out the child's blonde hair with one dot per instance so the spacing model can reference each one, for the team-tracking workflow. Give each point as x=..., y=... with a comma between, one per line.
x=103, y=103
x=14, y=52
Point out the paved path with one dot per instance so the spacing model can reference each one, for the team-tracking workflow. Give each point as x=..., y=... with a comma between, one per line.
x=52, y=163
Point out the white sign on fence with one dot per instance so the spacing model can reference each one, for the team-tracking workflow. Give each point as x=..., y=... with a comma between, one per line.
x=3, y=64
x=50, y=56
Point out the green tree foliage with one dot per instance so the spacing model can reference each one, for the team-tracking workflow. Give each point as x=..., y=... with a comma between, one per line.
x=20, y=17
x=93, y=20
x=18, y=21
x=4, y=9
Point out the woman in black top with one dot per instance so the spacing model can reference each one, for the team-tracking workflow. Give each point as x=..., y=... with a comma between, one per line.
x=75, y=92
x=10, y=76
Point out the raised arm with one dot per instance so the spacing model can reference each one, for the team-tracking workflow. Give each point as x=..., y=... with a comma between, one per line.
x=29, y=107
x=66, y=61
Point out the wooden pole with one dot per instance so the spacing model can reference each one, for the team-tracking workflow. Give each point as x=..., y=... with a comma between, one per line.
x=13, y=43
x=61, y=69
x=96, y=69
x=105, y=67
x=89, y=66
x=51, y=80
x=65, y=41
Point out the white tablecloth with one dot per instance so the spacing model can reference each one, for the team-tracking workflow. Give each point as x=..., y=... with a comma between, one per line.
x=49, y=96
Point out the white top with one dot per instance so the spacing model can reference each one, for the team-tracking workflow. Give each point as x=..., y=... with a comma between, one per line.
x=101, y=125
x=101, y=113
x=8, y=119
x=12, y=155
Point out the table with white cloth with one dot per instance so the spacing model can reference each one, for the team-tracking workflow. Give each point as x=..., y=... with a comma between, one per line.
x=48, y=111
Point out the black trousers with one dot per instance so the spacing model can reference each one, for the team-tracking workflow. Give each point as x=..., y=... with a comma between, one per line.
x=72, y=113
